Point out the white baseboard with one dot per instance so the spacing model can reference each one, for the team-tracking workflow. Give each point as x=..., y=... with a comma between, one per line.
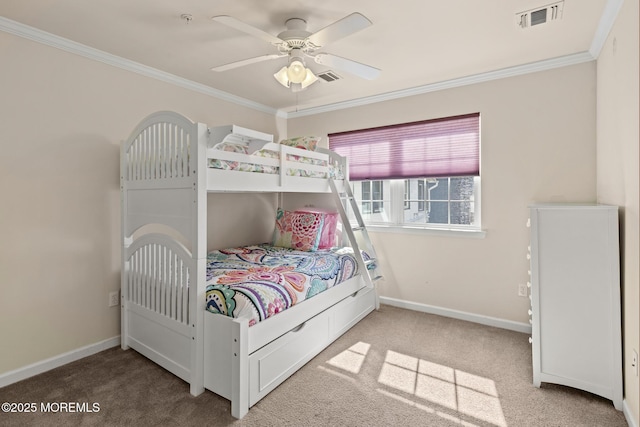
x=56, y=361
x=628, y=415
x=447, y=312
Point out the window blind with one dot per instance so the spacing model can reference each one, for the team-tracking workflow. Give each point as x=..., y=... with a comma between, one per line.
x=431, y=148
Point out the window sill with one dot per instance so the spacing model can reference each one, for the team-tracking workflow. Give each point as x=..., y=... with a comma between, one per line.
x=445, y=232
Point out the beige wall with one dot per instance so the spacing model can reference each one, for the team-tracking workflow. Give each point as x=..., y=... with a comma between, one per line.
x=538, y=144
x=618, y=176
x=63, y=118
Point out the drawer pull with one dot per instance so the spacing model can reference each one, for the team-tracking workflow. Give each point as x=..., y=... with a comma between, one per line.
x=298, y=328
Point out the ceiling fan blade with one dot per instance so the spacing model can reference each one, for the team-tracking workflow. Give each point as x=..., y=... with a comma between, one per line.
x=244, y=62
x=232, y=22
x=353, y=67
x=339, y=29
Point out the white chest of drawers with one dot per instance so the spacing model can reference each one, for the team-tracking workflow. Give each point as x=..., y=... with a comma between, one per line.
x=575, y=298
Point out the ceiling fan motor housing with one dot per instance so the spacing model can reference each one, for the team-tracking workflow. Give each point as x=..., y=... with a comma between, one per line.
x=296, y=34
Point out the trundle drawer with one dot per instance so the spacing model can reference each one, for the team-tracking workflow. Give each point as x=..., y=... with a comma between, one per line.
x=274, y=363
x=350, y=310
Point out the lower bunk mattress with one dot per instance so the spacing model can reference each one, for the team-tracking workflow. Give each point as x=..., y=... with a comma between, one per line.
x=257, y=282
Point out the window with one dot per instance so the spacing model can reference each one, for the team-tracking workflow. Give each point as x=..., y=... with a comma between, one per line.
x=421, y=196
x=446, y=201
x=371, y=200
x=416, y=175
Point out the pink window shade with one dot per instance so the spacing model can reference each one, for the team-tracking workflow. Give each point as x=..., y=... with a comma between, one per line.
x=431, y=148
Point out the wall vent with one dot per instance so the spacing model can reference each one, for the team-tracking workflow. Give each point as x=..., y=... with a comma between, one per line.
x=540, y=15
x=329, y=76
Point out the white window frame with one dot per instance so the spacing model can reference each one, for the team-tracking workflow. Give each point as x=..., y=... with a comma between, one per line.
x=394, y=197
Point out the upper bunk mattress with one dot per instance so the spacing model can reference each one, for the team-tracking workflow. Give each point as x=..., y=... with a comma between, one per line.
x=332, y=170
x=329, y=169
x=257, y=282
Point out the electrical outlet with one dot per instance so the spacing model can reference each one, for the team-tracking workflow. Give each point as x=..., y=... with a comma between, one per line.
x=634, y=361
x=522, y=290
x=114, y=298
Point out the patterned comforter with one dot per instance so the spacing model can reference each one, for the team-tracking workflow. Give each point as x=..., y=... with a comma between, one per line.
x=333, y=170
x=257, y=282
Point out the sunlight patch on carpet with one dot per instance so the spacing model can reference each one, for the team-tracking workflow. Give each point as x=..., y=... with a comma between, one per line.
x=351, y=359
x=453, y=418
x=450, y=388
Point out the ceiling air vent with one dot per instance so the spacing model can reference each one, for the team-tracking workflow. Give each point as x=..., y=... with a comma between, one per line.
x=540, y=15
x=329, y=76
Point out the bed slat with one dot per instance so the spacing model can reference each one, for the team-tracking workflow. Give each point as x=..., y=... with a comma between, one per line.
x=160, y=151
x=158, y=272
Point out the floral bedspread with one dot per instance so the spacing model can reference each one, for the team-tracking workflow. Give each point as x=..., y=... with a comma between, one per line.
x=333, y=171
x=257, y=282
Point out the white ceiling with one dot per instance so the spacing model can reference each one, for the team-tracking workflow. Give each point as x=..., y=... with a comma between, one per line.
x=416, y=43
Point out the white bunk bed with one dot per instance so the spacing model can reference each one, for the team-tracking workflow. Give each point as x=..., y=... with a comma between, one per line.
x=165, y=178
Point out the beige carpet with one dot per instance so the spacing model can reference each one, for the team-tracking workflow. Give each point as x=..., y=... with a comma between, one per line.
x=396, y=367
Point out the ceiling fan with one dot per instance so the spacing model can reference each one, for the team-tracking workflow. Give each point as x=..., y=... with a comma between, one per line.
x=297, y=43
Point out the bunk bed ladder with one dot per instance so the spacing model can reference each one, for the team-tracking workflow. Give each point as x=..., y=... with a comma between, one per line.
x=357, y=234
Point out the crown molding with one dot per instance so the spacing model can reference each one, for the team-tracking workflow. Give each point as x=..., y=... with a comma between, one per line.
x=608, y=18
x=610, y=13
x=517, y=70
x=43, y=37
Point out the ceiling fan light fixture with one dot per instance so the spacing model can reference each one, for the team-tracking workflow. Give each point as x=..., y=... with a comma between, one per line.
x=295, y=76
x=309, y=79
x=296, y=72
x=281, y=77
